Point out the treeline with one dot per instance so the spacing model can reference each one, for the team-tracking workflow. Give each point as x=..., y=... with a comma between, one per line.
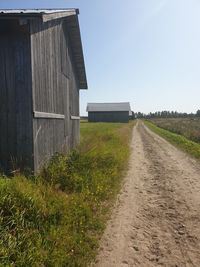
x=166, y=114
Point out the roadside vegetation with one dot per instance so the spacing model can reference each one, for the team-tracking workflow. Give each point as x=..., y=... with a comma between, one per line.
x=178, y=139
x=188, y=127
x=167, y=114
x=57, y=218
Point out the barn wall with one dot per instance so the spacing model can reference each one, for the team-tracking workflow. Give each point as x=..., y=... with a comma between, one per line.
x=54, y=90
x=73, y=94
x=112, y=116
x=15, y=96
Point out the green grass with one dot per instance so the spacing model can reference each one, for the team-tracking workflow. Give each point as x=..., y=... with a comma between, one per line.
x=176, y=139
x=57, y=218
x=188, y=127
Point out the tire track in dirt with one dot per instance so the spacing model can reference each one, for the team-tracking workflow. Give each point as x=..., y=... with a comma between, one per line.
x=156, y=220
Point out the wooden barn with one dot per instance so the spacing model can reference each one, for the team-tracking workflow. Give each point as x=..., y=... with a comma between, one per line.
x=109, y=112
x=41, y=71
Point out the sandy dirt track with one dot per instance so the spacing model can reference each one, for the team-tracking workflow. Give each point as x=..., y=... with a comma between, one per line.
x=156, y=220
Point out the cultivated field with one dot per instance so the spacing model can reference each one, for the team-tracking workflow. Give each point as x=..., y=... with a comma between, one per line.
x=188, y=127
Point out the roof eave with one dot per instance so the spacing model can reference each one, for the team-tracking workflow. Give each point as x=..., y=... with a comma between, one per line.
x=71, y=15
x=77, y=50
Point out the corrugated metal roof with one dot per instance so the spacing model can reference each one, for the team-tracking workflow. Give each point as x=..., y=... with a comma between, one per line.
x=95, y=107
x=45, y=14
x=34, y=11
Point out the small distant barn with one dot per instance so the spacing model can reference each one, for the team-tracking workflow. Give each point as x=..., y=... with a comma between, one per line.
x=41, y=71
x=109, y=112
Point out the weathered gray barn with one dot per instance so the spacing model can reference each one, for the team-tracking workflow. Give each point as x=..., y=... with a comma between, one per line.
x=41, y=71
x=108, y=112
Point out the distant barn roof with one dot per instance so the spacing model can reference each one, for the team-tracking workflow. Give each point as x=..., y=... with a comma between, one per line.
x=98, y=107
x=74, y=31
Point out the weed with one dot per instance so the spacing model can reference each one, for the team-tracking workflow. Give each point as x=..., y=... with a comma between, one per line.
x=57, y=218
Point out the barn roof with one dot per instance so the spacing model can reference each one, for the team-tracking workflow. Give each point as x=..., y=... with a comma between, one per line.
x=98, y=107
x=35, y=11
x=71, y=15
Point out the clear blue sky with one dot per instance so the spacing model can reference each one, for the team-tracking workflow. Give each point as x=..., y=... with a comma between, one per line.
x=143, y=51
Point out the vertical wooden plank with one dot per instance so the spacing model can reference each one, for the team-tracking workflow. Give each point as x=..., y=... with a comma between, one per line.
x=57, y=91
x=23, y=99
x=3, y=104
x=11, y=102
x=15, y=101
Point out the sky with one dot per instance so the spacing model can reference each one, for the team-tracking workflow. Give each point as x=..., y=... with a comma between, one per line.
x=146, y=52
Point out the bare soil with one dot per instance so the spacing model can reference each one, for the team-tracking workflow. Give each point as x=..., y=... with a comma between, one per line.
x=156, y=220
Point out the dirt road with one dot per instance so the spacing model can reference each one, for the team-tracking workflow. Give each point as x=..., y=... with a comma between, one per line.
x=156, y=221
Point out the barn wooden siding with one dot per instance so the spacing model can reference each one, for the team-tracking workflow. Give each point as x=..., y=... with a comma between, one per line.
x=109, y=116
x=15, y=96
x=55, y=90
x=41, y=71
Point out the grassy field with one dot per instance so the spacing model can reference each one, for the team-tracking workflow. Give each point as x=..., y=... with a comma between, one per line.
x=57, y=218
x=188, y=127
x=178, y=140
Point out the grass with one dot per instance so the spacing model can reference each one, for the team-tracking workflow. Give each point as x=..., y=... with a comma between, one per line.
x=178, y=140
x=188, y=127
x=57, y=218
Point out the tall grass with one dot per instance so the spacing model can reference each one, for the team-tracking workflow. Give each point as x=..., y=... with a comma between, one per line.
x=188, y=127
x=56, y=219
x=176, y=139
